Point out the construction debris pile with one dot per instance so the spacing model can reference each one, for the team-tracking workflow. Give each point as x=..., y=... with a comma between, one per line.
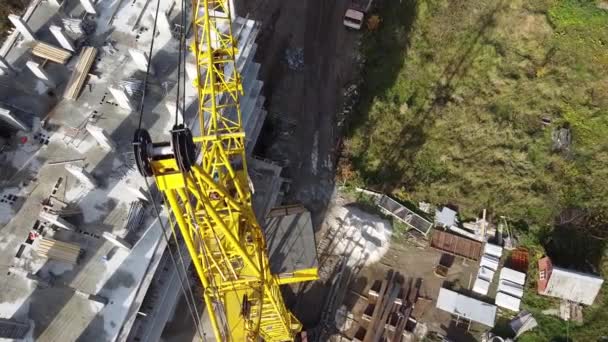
x=362, y=237
x=393, y=305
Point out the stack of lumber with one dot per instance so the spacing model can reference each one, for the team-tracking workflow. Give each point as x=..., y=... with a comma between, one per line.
x=50, y=52
x=390, y=304
x=85, y=61
x=57, y=250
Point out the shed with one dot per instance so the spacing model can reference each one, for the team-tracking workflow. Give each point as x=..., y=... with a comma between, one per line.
x=492, y=250
x=481, y=286
x=466, y=307
x=490, y=262
x=513, y=276
x=511, y=288
x=507, y=301
x=567, y=284
x=486, y=273
x=456, y=245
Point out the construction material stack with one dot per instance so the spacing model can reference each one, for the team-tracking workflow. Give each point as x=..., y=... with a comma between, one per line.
x=81, y=71
x=51, y=52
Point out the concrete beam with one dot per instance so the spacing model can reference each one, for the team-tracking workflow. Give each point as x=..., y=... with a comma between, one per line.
x=6, y=67
x=164, y=25
x=21, y=26
x=56, y=220
x=102, y=138
x=9, y=118
x=84, y=177
x=88, y=6
x=121, y=98
x=117, y=241
x=139, y=193
x=141, y=60
x=40, y=73
x=62, y=38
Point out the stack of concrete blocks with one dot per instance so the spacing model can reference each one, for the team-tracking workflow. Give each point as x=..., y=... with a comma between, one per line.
x=150, y=327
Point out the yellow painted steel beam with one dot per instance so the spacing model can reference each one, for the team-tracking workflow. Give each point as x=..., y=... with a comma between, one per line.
x=212, y=202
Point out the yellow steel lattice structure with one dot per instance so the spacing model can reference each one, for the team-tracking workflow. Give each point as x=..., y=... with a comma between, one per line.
x=212, y=201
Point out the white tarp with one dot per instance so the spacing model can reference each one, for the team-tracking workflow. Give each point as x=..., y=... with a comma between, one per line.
x=508, y=302
x=513, y=276
x=486, y=273
x=466, y=307
x=481, y=286
x=510, y=288
x=492, y=250
x=489, y=261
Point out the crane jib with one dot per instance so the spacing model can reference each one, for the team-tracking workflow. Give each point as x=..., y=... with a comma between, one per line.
x=209, y=195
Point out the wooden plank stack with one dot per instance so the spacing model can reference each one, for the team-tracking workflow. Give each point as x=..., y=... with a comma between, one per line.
x=51, y=52
x=389, y=308
x=85, y=61
x=57, y=250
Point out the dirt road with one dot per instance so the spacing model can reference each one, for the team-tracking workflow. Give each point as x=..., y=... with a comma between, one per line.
x=303, y=100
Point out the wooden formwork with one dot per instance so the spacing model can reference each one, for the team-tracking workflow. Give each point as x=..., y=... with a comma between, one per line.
x=76, y=82
x=51, y=52
x=58, y=250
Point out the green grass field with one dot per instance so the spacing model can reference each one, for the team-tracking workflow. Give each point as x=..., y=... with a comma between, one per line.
x=460, y=101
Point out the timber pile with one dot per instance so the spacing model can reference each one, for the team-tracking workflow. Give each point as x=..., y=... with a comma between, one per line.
x=50, y=52
x=390, y=304
x=57, y=250
x=85, y=61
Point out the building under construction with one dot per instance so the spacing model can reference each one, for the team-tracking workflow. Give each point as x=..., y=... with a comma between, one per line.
x=88, y=256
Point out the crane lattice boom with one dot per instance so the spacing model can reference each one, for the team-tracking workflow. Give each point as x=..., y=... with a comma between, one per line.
x=210, y=197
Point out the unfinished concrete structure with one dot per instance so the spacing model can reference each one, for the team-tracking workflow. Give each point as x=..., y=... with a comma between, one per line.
x=62, y=38
x=87, y=142
x=21, y=26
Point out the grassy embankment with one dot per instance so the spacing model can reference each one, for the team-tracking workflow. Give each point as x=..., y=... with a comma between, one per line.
x=459, y=103
x=7, y=7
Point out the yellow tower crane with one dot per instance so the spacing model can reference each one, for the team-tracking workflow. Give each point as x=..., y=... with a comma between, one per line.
x=210, y=198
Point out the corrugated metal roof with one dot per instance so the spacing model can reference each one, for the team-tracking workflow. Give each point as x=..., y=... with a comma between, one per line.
x=466, y=307
x=575, y=286
x=456, y=245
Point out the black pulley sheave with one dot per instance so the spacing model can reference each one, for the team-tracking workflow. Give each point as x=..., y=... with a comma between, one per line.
x=142, y=143
x=183, y=147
